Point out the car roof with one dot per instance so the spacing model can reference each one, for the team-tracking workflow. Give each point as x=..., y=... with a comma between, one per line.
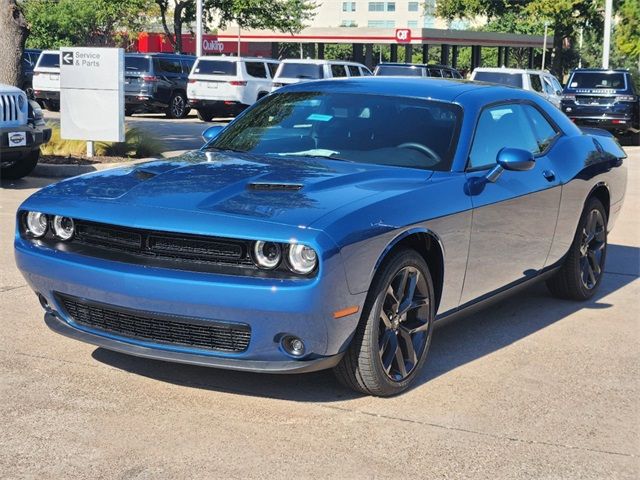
x=320, y=62
x=602, y=70
x=446, y=90
x=237, y=59
x=420, y=65
x=510, y=70
x=159, y=54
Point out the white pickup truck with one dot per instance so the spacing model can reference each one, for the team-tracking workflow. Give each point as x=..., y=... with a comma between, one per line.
x=22, y=131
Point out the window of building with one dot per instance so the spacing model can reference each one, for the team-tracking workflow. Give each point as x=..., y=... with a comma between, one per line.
x=412, y=24
x=413, y=6
x=382, y=6
x=429, y=21
x=348, y=6
x=391, y=6
x=381, y=24
x=348, y=23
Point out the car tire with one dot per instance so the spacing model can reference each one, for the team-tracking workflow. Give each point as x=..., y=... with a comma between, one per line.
x=128, y=112
x=205, y=115
x=388, y=350
x=20, y=168
x=635, y=139
x=583, y=267
x=178, y=106
x=52, y=105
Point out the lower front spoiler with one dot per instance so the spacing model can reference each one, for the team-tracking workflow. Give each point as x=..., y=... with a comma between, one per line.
x=288, y=366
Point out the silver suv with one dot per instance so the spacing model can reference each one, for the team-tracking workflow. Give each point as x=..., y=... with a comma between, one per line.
x=539, y=81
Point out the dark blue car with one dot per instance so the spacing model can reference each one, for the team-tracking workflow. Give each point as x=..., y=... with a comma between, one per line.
x=331, y=225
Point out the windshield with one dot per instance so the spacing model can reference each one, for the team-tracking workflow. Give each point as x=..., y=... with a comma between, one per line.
x=386, y=70
x=509, y=79
x=136, y=64
x=300, y=70
x=216, y=67
x=386, y=130
x=594, y=80
x=49, y=60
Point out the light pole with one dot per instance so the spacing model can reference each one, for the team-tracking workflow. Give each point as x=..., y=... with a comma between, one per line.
x=199, y=28
x=606, y=46
x=544, y=44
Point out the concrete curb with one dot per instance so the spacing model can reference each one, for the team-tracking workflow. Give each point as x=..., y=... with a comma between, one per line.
x=64, y=171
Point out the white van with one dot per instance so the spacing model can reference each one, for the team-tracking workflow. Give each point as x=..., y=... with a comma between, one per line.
x=224, y=86
x=539, y=81
x=295, y=71
x=46, y=80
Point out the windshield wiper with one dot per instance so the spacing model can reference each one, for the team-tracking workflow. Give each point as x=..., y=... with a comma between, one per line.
x=316, y=153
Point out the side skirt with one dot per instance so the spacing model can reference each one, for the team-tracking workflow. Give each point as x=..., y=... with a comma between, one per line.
x=493, y=297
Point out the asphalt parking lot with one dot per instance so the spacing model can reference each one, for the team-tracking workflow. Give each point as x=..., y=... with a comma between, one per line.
x=532, y=388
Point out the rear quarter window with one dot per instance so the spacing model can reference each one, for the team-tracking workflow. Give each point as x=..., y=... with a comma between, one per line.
x=256, y=69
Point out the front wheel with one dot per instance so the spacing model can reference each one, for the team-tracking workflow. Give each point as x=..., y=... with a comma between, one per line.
x=20, y=168
x=393, y=337
x=583, y=268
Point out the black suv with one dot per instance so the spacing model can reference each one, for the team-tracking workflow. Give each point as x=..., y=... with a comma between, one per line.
x=415, y=70
x=603, y=98
x=29, y=59
x=157, y=82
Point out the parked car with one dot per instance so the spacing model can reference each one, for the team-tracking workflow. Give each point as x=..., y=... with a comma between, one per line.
x=386, y=69
x=311, y=232
x=539, y=81
x=302, y=70
x=46, y=80
x=157, y=82
x=22, y=131
x=225, y=86
x=29, y=59
x=605, y=99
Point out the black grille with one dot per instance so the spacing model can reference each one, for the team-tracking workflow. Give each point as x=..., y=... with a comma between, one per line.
x=156, y=327
x=165, y=245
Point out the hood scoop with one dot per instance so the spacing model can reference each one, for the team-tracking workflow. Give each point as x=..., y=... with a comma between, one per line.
x=142, y=174
x=274, y=187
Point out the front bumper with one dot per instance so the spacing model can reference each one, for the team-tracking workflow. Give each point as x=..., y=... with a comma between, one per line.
x=271, y=307
x=35, y=136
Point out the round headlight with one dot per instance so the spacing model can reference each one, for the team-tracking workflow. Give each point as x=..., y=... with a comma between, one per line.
x=63, y=227
x=302, y=259
x=267, y=254
x=36, y=223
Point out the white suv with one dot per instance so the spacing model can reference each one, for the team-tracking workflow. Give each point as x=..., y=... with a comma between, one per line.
x=46, y=80
x=295, y=71
x=538, y=81
x=223, y=86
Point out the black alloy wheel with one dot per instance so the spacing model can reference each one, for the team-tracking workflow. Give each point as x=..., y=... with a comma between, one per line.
x=583, y=267
x=177, y=106
x=392, y=339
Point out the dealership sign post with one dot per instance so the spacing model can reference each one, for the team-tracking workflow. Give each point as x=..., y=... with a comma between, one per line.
x=92, y=95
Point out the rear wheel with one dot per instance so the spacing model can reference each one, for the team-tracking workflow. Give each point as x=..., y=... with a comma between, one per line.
x=583, y=268
x=393, y=337
x=178, y=107
x=20, y=168
x=205, y=115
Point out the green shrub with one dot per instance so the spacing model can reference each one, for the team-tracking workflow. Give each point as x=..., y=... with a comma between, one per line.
x=137, y=144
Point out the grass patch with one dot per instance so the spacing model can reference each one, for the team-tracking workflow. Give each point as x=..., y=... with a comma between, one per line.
x=137, y=144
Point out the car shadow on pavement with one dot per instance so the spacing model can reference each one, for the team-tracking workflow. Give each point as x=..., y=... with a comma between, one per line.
x=454, y=344
x=27, y=183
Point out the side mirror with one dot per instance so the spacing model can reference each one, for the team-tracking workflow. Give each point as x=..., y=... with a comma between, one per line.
x=212, y=132
x=559, y=92
x=514, y=159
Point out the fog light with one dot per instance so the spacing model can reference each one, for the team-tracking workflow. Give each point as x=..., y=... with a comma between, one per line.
x=63, y=227
x=43, y=302
x=293, y=345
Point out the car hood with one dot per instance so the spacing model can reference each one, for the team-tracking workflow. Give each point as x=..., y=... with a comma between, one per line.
x=292, y=191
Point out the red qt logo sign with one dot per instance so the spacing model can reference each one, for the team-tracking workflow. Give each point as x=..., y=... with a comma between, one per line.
x=403, y=35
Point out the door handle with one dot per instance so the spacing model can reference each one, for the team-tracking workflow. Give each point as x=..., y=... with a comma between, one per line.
x=549, y=175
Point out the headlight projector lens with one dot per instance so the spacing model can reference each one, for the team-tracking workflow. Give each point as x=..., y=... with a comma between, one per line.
x=267, y=254
x=302, y=259
x=36, y=223
x=63, y=227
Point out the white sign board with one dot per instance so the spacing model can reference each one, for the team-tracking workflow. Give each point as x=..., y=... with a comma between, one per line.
x=92, y=94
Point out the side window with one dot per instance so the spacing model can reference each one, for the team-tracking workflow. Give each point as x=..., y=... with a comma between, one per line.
x=435, y=72
x=543, y=131
x=273, y=68
x=498, y=127
x=186, y=65
x=548, y=87
x=447, y=73
x=536, y=83
x=353, y=71
x=168, y=66
x=338, y=71
x=365, y=72
x=256, y=69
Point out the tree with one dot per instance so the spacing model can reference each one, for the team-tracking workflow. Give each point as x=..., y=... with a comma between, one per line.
x=13, y=34
x=83, y=22
x=283, y=15
x=627, y=31
x=565, y=17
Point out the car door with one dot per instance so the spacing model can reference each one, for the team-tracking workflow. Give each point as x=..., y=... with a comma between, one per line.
x=258, y=80
x=514, y=217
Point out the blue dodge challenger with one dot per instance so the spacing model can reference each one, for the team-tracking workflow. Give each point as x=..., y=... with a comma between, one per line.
x=331, y=225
